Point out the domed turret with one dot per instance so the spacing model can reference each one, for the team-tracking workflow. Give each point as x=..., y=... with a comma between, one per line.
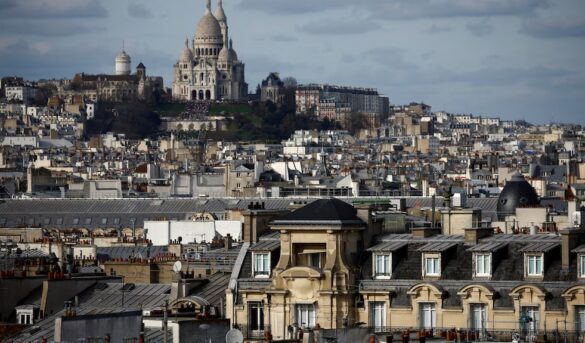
x=219, y=13
x=123, y=63
x=233, y=55
x=186, y=54
x=208, y=29
x=224, y=54
x=516, y=193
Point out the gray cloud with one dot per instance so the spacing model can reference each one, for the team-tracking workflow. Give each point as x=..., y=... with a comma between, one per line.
x=33, y=60
x=284, y=38
x=480, y=28
x=138, y=10
x=436, y=29
x=41, y=9
x=48, y=29
x=557, y=28
x=339, y=27
x=391, y=58
x=401, y=9
x=284, y=7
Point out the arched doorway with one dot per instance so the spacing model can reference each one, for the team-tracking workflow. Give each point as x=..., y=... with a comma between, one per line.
x=200, y=95
x=208, y=95
x=194, y=95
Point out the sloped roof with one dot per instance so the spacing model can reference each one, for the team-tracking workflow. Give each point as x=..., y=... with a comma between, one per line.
x=323, y=211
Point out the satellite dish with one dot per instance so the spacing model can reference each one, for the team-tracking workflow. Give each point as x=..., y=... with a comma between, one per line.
x=234, y=336
x=177, y=266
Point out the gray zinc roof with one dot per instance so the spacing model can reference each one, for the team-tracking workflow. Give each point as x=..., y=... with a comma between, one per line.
x=388, y=246
x=540, y=247
x=488, y=246
x=437, y=246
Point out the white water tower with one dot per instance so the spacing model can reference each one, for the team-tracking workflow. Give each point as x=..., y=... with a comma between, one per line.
x=123, y=63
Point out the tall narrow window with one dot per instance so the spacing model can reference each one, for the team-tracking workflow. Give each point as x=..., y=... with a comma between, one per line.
x=377, y=315
x=428, y=315
x=382, y=266
x=256, y=321
x=582, y=266
x=580, y=320
x=529, y=320
x=306, y=315
x=478, y=316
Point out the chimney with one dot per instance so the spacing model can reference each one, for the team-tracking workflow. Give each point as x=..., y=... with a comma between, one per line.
x=474, y=235
x=570, y=239
x=425, y=232
x=228, y=242
x=256, y=222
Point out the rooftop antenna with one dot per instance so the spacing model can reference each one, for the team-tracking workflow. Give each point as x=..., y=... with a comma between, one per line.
x=123, y=45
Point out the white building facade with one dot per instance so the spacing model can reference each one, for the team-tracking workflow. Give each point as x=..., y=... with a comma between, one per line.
x=209, y=69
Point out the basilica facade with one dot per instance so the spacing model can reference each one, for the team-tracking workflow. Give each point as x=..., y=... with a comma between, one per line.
x=209, y=69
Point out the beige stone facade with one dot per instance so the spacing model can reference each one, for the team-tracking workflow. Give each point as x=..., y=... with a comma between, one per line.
x=316, y=270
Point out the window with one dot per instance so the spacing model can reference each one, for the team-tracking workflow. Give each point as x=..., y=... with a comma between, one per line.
x=75, y=221
x=261, y=264
x=478, y=316
x=87, y=221
x=534, y=265
x=482, y=265
x=529, y=320
x=581, y=265
x=432, y=266
x=104, y=221
x=377, y=315
x=428, y=315
x=315, y=260
x=256, y=321
x=306, y=315
x=382, y=266
x=580, y=319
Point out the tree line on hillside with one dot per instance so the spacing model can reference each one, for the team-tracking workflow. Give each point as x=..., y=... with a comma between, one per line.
x=135, y=119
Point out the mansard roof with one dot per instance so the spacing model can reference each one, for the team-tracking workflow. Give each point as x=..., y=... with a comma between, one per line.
x=323, y=211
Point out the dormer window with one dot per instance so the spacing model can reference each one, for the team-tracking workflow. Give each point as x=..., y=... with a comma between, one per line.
x=534, y=257
x=382, y=266
x=582, y=266
x=261, y=264
x=534, y=264
x=483, y=265
x=432, y=265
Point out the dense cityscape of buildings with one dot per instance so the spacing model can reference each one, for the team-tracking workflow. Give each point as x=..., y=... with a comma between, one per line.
x=396, y=222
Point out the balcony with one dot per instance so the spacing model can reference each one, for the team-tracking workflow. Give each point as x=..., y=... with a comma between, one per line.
x=255, y=333
x=456, y=335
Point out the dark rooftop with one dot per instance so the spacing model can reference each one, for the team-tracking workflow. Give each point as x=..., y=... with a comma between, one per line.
x=329, y=211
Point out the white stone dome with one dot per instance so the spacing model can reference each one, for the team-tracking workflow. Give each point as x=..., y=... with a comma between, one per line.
x=224, y=54
x=186, y=54
x=208, y=29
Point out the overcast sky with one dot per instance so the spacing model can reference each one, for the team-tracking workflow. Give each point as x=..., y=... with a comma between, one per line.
x=517, y=59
